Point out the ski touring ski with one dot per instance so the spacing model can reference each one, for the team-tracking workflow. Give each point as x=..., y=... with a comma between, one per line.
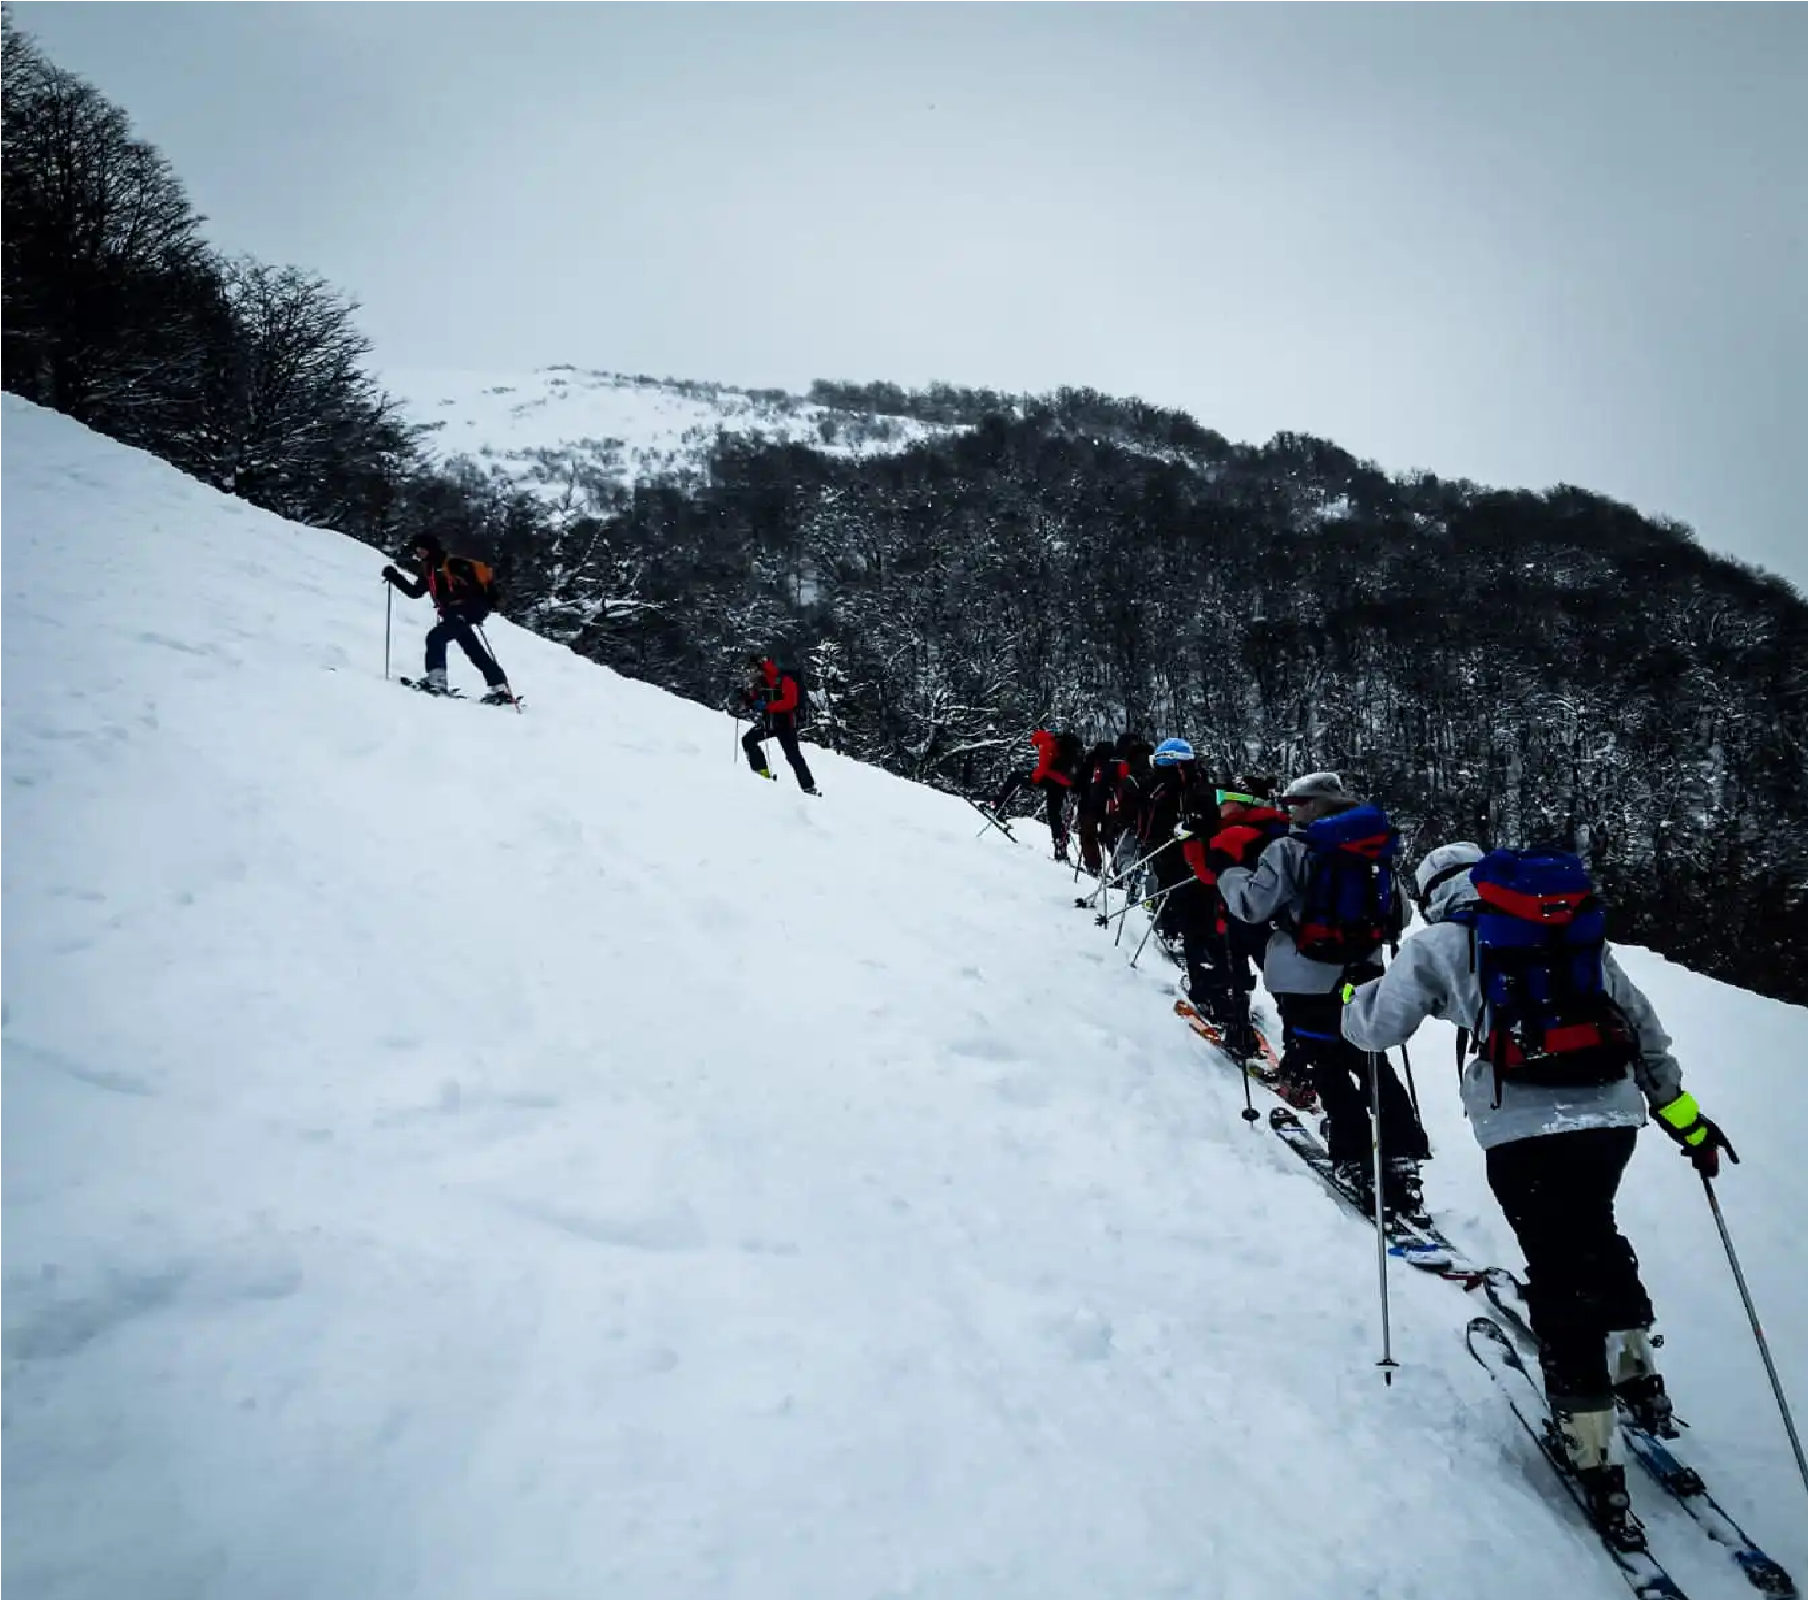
x=1684, y=1485
x=420, y=685
x=1494, y=1351
x=1417, y=1241
x=1657, y=1457
x=1264, y=1067
x=993, y=819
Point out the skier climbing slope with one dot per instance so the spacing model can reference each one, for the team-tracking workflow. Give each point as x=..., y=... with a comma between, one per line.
x=435, y=1167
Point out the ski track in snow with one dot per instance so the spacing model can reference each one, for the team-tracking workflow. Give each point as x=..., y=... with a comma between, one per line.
x=460, y=1155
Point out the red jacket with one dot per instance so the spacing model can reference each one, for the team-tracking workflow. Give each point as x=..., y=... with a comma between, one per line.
x=780, y=690
x=1046, y=747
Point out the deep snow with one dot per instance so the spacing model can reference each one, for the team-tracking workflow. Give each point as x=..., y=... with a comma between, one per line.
x=458, y=1154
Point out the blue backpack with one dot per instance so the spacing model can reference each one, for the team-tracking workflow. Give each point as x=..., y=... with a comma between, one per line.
x=1539, y=938
x=1350, y=909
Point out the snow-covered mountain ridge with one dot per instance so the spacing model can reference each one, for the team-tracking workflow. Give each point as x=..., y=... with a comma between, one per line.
x=560, y=430
x=456, y=1154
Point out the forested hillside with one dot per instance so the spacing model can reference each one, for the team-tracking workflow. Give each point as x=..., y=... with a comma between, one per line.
x=1496, y=664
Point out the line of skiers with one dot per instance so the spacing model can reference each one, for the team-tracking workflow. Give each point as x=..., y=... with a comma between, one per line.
x=1561, y=1056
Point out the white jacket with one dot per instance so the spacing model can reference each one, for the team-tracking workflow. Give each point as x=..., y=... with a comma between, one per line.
x=1434, y=976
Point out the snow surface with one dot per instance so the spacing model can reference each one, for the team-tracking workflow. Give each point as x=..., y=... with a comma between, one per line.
x=458, y=1154
x=629, y=428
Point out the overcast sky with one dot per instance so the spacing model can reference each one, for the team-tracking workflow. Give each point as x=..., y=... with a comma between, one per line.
x=1523, y=244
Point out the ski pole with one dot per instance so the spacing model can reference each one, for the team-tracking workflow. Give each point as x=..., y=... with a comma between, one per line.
x=1130, y=867
x=1751, y=1312
x=1149, y=905
x=992, y=821
x=515, y=702
x=1412, y=1089
x=388, y=609
x=1152, y=900
x=1387, y=1362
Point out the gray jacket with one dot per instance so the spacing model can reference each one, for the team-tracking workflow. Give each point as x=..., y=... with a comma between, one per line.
x=1433, y=976
x=1275, y=890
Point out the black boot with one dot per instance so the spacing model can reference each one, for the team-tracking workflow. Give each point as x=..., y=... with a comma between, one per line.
x=1610, y=1506
x=1401, y=1194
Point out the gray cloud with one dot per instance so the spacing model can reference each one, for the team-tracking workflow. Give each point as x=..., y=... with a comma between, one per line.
x=1521, y=244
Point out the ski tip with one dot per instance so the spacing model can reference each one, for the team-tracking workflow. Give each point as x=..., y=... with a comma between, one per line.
x=1766, y=1576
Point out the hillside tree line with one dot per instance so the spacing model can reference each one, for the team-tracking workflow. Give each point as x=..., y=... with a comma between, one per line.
x=1497, y=665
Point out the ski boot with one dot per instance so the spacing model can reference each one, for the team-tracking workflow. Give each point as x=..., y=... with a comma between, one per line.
x=1357, y=1178
x=1587, y=1441
x=1301, y=1096
x=1240, y=1039
x=1638, y=1385
x=498, y=695
x=1401, y=1192
x=434, y=682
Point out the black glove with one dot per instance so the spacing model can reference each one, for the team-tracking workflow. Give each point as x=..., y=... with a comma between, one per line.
x=390, y=575
x=1700, y=1138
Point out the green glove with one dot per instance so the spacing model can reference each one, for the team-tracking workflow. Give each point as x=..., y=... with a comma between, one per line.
x=1701, y=1139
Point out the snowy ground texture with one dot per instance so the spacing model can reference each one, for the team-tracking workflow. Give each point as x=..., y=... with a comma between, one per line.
x=470, y=1156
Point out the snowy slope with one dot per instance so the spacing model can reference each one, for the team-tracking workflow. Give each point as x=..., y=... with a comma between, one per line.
x=460, y=1155
x=536, y=426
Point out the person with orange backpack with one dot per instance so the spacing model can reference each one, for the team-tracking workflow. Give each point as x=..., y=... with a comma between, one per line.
x=464, y=595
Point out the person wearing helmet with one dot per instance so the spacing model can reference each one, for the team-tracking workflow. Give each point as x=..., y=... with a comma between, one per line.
x=1555, y=1154
x=1178, y=802
x=1058, y=758
x=464, y=595
x=1268, y=883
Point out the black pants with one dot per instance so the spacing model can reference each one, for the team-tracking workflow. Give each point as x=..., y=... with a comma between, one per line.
x=463, y=628
x=1190, y=914
x=1582, y=1278
x=1091, y=855
x=1340, y=1074
x=784, y=729
x=1055, y=798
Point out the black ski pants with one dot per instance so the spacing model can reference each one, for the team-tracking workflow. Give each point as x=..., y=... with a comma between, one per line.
x=1190, y=914
x=462, y=626
x=782, y=727
x=1339, y=1072
x=1055, y=799
x=1582, y=1280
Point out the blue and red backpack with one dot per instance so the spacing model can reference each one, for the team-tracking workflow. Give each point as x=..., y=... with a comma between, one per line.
x=1350, y=909
x=1538, y=940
